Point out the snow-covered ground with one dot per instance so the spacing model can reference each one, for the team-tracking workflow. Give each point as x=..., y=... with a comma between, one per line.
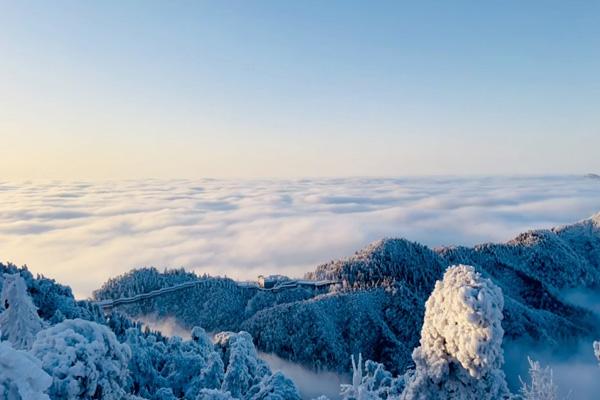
x=83, y=233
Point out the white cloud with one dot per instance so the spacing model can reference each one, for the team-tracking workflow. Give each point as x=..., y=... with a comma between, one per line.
x=83, y=233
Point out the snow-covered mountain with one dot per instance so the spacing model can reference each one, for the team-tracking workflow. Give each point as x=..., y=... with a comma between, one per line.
x=385, y=301
x=378, y=307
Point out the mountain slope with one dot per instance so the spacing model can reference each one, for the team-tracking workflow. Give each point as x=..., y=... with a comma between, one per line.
x=378, y=307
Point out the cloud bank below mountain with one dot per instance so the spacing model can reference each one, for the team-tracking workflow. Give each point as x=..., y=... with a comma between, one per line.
x=83, y=233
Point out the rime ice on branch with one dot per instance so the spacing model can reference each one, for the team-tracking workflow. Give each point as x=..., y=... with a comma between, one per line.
x=21, y=375
x=85, y=360
x=542, y=386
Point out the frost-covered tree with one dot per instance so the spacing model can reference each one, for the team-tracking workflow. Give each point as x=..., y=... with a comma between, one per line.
x=460, y=356
x=214, y=394
x=192, y=365
x=164, y=394
x=243, y=367
x=21, y=375
x=542, y=386
x=247, y=376
x=597, y=350
x=51, y=297
x=84, y=359
x=148, y=353
x=370, y=382
x=356, y=390
x=19, y=322
x=273, y=387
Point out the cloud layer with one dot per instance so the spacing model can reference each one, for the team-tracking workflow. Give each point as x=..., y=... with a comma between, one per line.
x=82, y=233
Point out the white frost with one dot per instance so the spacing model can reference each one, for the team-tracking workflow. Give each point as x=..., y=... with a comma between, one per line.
x=460, y=356
x=84, y=359
x=542, y=385
x=19, y=322
x=21, y=375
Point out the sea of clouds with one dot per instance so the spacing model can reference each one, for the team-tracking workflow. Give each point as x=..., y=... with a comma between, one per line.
x=83, y=233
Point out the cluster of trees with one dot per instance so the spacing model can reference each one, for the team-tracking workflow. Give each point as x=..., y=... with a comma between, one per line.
x=530, y=270
x=459, y=355
x=379, y=307
x=142, y=280
x=392, y=293
x=219, y=304
x=114, y=358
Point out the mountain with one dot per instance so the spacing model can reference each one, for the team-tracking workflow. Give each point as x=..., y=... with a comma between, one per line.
x=592, y=176
x=378, y=307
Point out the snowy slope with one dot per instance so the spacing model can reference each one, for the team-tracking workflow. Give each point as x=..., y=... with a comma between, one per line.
x=379, y=307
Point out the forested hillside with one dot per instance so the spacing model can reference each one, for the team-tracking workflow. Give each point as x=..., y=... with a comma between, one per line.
x=378, y=307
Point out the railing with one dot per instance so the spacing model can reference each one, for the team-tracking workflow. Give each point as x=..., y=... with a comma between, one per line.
x=109, y=304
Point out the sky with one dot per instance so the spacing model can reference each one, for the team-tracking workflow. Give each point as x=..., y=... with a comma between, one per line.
x=249, y=89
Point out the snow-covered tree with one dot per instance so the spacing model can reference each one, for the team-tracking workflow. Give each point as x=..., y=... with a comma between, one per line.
x=542, y=386
x=356, y=390
x=214, y=394
x=192, y=365
x=246, y=375
x=84, y=359
x=597, y=350
x=370, y=382
x=19, y=322
x=460, y=356
x=243, y=368
x=273, y=387
x=21, y=375
x=144, y=366
x=164, y=394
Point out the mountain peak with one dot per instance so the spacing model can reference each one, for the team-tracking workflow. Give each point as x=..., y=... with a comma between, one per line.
x=389, y=259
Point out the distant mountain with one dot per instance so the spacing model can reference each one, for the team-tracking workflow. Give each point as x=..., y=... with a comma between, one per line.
x=377, y=309
x=592, y=176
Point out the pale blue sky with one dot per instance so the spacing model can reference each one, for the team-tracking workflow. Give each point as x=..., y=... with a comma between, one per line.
x=128, y=89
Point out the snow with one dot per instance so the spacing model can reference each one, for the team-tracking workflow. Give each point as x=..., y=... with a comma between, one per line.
x=274, y=386
x=542, y=385
x=371, y=382
x=378, y=309
x=212, y=394
x=21, y=375
x=460, y=355
x=243, y=367
x=246, y=375
x=19, y=322
x=84, y=359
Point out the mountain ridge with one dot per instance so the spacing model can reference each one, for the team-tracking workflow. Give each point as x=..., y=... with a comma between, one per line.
x=378, y=307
